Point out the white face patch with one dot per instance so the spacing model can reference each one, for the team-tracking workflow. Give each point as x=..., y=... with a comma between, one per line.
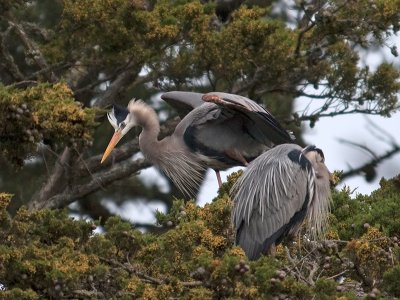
x=112, y=119
x=127, y=124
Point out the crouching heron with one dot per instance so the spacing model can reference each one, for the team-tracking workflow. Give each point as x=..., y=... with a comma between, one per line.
x=276, y=193
x=217, y=130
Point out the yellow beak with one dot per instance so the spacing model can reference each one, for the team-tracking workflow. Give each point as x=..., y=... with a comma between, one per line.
x=114, y=141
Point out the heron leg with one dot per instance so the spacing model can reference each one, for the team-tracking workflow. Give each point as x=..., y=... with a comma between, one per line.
x=272, y=250
x=218, y=178
x=236, y=155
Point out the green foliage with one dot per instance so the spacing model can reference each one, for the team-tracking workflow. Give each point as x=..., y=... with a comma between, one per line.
x=178, y=38
x=5, y=219
x=325, y=289
x=6, y=5
x=391, y=281
x=47, y=254
x=380, y=209
x=26, y=120
x=20, y=294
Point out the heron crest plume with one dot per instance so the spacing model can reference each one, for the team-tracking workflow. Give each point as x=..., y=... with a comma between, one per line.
x=143, y=113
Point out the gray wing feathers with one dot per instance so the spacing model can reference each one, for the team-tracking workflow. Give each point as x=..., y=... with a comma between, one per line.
x=183, y=102
x=261, y=124
x=271, y=190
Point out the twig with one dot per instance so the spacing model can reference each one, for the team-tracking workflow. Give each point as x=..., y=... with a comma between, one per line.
x=373, y=163
x=131, y=270
x=88, y=294
x=300, y=38
x=337, y=275
x=191, y=283
x=128, y=267
x=314, y=269
x=294, y=264
x=56, y=182
x=122, y=81
x=362, y=147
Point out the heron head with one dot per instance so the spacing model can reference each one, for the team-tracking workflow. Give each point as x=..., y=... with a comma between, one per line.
x=122, y=121
x=317, y=159
x=314, y=153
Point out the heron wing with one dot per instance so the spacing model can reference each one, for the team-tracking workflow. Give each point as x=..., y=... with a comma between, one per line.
x=231, y=129
x=259, y=122
x=271, y=198
x=183, y=102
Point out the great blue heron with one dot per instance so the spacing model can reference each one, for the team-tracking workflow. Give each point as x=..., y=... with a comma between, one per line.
x=217, y=130
x=276, y=192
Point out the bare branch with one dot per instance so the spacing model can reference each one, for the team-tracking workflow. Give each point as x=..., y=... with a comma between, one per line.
x=50, y=69
x=357, y=145
x=119, y=154
x=372, y=163
x=88, y=294
x=70, y=194
x=33, y=49
x=120, y=84
x=34, y=29
x=337, y=113
x=128, y=267
x=337, y=275
x=56, y=182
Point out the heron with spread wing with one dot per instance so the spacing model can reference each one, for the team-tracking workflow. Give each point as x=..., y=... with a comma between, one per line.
x=217, y=130
x=278, y=191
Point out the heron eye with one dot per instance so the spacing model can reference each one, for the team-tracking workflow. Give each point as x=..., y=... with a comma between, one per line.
x=122, y=125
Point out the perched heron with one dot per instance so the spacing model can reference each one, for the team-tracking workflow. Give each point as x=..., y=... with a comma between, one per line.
x=276, y=193
x=217, y=130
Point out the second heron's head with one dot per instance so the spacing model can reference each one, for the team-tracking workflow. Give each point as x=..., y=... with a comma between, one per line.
x=122, y=120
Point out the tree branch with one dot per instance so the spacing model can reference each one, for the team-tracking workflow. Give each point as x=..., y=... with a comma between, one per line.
x=9, y=62
x=120, y=84
x=33, y=50
x=128, y=267
x=70, y=194
x=56, y=182
x=121, y=153
x=372, y=163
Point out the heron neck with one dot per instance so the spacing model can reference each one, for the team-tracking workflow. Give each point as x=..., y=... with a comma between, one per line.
x=148, y=138
x=147, y=118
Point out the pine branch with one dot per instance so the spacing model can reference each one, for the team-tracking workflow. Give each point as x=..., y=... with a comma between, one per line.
x=128, y=267
x=372, y=163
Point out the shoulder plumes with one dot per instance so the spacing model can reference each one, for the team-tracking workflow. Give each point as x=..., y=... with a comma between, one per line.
x=319, y=208
x=184, y=170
